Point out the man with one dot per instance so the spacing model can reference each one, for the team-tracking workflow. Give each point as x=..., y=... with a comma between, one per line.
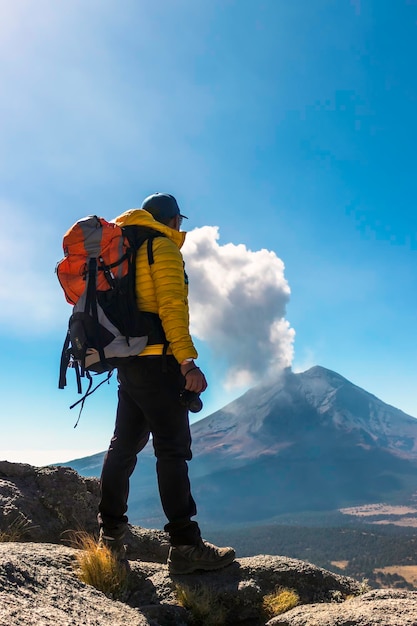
x=149, y=398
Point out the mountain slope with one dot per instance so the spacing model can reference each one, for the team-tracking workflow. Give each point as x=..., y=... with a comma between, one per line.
x=268, y=419
x=308, y=441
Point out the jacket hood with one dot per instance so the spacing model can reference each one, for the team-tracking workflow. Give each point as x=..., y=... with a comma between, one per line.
x=140, y=217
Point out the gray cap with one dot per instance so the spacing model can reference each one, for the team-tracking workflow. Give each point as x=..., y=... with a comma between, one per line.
x=162, y=206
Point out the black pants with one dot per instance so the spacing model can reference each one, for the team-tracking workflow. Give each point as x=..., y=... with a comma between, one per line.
x=149, y=404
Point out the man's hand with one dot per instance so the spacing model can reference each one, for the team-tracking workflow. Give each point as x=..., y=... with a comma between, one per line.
x=194, y=377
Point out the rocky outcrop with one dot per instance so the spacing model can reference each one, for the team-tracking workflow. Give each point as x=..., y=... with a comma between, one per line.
x=49, y=504
x=39, y=583
x=46, y=501
x=38, y=586
x=380, y=607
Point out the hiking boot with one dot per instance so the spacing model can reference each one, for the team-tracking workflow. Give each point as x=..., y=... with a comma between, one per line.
x=115, y=545
x=204, y=555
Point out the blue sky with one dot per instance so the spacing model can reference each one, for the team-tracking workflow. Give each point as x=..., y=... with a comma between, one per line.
x=290, y=126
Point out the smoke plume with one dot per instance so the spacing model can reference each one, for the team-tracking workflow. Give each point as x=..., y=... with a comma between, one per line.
x=238, y=303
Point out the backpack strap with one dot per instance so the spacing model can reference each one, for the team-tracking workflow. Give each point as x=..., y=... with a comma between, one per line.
x=137, y=236
x=91, y=304
x=88, y=393
x=65, y=359
x=78, y=376
x=151, y=261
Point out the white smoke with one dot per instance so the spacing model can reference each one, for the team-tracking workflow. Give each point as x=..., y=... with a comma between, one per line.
x=238, y=303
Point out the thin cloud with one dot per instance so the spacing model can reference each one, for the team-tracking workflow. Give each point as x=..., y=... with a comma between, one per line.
x=238, y=302
x=30, y=296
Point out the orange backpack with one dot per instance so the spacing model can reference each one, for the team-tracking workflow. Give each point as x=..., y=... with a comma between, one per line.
x=92, y=237
x=98, y=276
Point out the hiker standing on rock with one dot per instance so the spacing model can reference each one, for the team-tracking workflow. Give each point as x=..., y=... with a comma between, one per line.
x=150, y=386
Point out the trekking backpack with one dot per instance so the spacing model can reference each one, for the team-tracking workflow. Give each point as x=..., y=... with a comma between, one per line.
x=98, y=276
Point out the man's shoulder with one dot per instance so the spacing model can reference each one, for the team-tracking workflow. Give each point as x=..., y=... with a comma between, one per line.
x=163, y=243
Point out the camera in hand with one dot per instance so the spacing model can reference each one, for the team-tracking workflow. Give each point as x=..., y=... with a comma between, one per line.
x=191, y=400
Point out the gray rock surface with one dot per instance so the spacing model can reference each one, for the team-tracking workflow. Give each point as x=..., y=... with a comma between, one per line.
x=380, y=607
x=39, y=584
x=49, y=503
x=47, y=500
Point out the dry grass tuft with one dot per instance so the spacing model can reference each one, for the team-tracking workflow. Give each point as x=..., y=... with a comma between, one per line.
x=16, y=530
x=205, y=606
x=280, y=601
x=98, y=567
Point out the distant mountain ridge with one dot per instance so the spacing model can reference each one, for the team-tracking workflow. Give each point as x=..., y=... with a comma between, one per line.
x=308, y=441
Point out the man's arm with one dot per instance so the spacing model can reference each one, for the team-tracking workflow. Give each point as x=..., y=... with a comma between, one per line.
x=172, y=299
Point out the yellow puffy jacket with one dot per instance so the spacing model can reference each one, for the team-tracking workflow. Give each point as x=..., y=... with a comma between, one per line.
x=162, y=287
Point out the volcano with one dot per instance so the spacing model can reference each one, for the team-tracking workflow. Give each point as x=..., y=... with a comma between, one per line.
x=311, y=441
